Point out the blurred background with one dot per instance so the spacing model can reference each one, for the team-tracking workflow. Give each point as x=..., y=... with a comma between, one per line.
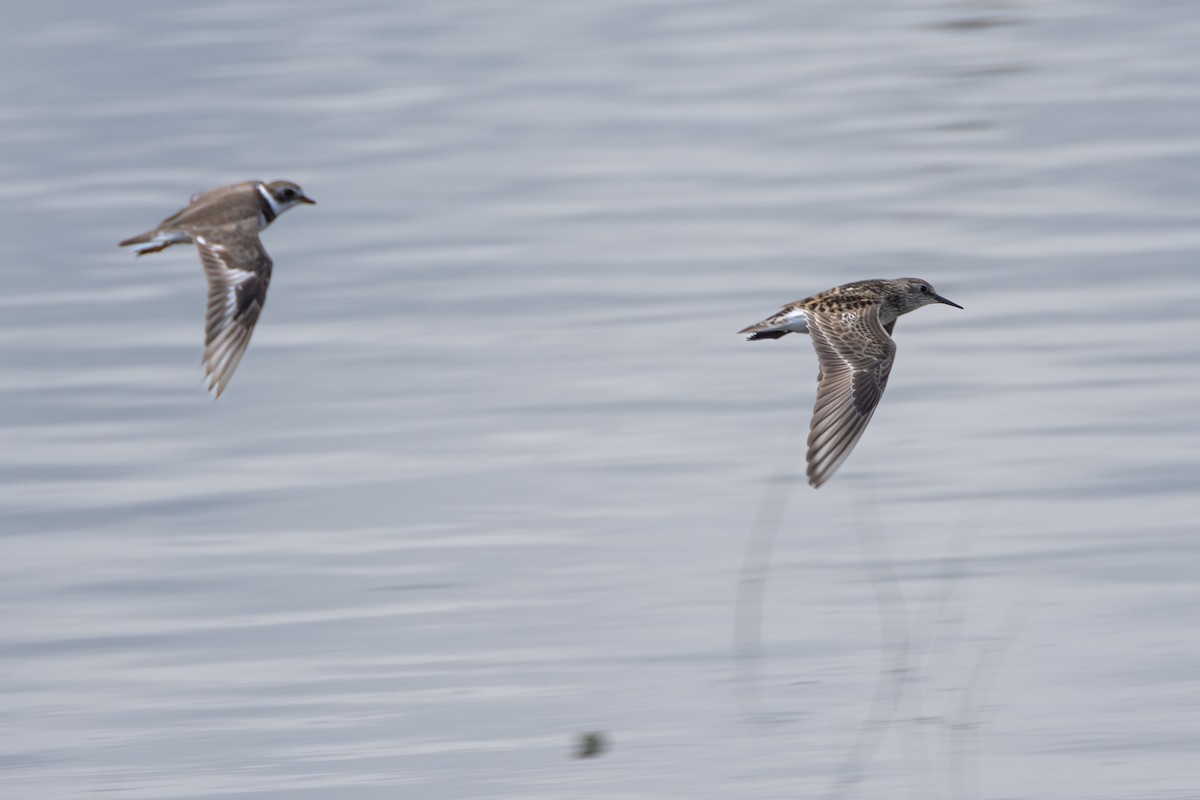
x=487, y=477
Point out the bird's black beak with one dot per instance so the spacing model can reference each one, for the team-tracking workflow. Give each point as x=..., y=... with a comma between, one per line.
x=311, y=202
x=941, y=299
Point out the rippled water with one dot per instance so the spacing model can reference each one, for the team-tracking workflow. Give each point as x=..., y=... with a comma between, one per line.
x=485, y=479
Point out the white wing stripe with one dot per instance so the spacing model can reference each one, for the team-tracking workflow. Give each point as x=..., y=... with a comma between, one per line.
x=238, y=271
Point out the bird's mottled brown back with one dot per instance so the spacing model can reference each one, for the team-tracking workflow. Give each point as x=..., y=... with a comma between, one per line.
x=851, y=295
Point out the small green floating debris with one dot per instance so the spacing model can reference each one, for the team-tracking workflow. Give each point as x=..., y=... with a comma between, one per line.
x=591, y=744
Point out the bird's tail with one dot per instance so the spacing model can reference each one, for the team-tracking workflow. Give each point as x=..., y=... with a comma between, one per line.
x=153, y=241
x=771, y=328
x=755, y=335
x=781, y=324
x=141, y=238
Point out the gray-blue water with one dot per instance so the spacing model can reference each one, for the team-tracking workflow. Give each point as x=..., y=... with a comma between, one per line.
x=485, y=478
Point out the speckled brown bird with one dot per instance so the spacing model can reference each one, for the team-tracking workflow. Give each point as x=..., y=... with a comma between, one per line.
x=851, y=328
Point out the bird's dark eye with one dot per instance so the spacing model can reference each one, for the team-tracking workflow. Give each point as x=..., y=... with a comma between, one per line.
x=924, y=289
x=289, y=193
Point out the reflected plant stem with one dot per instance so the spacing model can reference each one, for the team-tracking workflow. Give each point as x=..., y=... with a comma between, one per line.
x=894, y=658
x=899, y=641
x=899, y=668
x=951, y=627
x=938, y=601
x=756, y=567
x=969, y=717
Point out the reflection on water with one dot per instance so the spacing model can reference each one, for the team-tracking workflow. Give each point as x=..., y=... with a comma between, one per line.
x=483, y=483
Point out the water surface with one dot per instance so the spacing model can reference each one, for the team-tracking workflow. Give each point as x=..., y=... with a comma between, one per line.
x=485, y=478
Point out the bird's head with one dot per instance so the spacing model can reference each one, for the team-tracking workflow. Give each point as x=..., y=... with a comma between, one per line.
x=288, y=194
x=915, y=292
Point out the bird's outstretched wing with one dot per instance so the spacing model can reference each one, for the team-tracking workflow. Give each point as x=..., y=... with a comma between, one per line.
x=238, y=271
x=856, y=355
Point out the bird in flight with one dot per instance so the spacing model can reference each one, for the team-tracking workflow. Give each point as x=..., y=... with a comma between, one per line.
x=224, y=225
x=851, y=329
